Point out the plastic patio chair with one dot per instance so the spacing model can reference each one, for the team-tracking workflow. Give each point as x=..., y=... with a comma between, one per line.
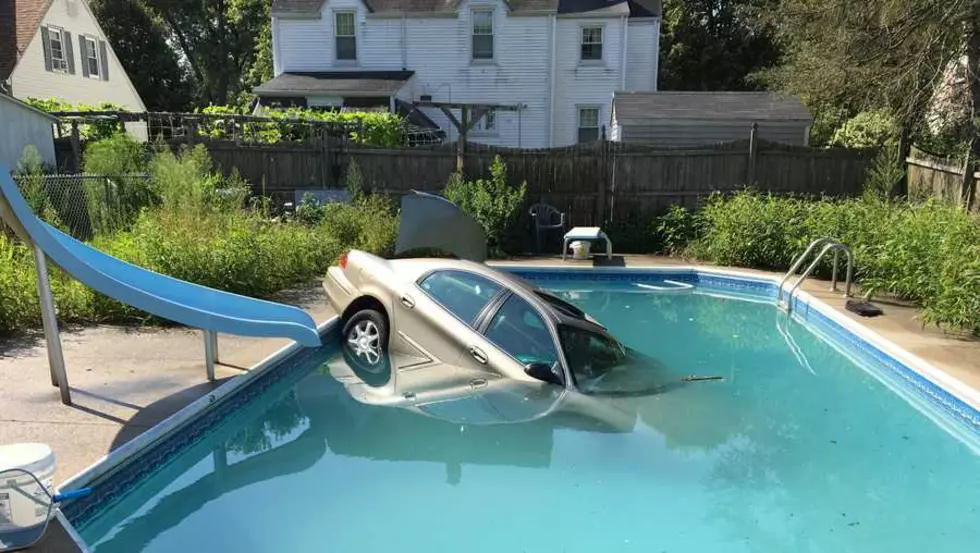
x=546, y=217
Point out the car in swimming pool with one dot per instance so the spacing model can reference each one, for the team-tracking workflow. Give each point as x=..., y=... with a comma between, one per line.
x=484, y=323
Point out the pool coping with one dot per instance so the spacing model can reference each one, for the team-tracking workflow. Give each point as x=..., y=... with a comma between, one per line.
x=804, y=304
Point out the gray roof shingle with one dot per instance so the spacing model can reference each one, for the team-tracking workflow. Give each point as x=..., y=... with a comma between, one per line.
x=381, y=83
x=637, y=107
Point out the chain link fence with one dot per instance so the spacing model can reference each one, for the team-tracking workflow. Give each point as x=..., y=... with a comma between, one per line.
x=85, y=205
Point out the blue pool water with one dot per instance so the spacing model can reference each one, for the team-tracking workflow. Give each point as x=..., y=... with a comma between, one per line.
x=800, y=448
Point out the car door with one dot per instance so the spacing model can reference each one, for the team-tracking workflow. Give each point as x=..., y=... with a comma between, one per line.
x=517, y=335
x=436, y=318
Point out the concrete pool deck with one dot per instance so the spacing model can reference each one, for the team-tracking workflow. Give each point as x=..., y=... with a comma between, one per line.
x=126, y=379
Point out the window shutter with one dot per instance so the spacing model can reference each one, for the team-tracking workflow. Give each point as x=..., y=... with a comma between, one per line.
x=69, y=52
x=81, y=49
x=103, y=61
x=46, y=46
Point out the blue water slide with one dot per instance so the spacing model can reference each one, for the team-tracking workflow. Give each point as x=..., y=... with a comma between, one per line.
x=163, y=296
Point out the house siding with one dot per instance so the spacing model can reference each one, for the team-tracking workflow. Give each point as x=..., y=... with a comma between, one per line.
x=438, y=50
x=701, y=133
x=23, y=127
x=30, y=80
x=643, y=39
x=582, y=84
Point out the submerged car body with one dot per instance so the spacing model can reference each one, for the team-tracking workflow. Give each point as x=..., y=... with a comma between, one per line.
x=483, y=322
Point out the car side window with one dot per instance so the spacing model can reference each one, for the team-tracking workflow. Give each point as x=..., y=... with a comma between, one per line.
x=589, y=355
x=462, y=294
x=520, y=331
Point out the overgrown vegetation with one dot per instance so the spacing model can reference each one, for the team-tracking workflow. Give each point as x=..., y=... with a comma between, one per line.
x=928, y=253
x=92, y=131
x=365, y=127
x=200, y=226
x=494, y=203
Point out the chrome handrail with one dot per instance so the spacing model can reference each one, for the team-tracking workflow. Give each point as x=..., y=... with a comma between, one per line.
x=831, y=244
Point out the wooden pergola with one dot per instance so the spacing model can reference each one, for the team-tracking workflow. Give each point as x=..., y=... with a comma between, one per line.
x=470, y=115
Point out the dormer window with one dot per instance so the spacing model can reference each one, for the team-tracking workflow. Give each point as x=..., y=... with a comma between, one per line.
x=346, y=37
x=482, y=34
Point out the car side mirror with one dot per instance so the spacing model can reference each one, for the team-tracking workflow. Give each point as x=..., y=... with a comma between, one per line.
x=543, y=372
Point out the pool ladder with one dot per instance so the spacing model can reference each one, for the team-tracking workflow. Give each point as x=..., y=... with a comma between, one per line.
x=829, y=244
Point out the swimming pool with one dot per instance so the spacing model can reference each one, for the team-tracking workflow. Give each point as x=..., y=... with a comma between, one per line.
x=814, y=440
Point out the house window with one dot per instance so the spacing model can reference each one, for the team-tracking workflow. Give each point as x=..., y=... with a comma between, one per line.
x=591, y=43
x=90, y=57
x=482, y=34
x=345, y=35
x=488, y=123
x=59, y=61
x=588, y=124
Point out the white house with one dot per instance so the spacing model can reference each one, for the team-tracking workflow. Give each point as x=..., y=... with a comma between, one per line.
x=559, y=61
x=24, y=126
x=56, y=49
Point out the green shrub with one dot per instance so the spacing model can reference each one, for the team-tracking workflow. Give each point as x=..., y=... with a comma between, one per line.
x=92, y=131
x=633, y=233
x=118, y=154
x=887, y=169
x=676, y=229
x=369, y=224
x=867, y=129
x=368, y=127
x=927, y=253
x=493, y=203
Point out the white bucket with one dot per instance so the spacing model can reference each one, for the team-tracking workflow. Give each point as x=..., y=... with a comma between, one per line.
x=580, y=249
x=23, y=504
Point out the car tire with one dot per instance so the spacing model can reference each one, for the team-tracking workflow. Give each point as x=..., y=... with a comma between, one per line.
x=365, y=347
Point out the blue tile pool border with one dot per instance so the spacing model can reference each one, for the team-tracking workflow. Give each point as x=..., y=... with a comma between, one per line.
x=115, y=476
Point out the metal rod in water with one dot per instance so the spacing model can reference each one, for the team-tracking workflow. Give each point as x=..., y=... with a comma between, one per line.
x=49, y=318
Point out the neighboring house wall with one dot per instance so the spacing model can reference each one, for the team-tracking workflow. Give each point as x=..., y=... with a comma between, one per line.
x=700, y=133
x=437, y=47
x=23, y=126
x=642, y=53
x=31, y=79
x=585, y=84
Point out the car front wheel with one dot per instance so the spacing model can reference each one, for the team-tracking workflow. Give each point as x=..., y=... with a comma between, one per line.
x=366, y=343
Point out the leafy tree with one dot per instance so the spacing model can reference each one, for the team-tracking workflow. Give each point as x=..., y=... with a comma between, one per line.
x=181, y=53
x=219, y=40
x=715, y=44
x=848, y=56
x=139, y=39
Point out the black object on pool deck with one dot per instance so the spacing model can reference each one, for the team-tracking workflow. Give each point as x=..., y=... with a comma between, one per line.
x=863, y=308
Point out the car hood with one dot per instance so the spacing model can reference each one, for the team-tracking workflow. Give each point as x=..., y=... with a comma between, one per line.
x=430, y=222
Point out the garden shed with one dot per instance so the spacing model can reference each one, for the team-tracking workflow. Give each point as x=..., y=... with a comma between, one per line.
x=24, y=126
x=687, y=119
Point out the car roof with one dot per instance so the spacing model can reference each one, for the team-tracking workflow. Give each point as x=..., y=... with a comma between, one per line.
x=414, y=268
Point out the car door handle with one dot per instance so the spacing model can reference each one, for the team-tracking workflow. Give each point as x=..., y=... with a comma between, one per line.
x=478, y=354
x=407, y=301
x=478, y=383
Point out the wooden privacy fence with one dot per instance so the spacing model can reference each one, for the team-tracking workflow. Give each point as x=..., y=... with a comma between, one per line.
x=931, y=176
x=592, y=182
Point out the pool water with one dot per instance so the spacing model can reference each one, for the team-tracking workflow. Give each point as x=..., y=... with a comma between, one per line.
x=798, y=448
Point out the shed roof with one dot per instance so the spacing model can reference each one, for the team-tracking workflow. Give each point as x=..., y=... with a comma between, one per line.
x=635, y=8
x=19, y=20
x=355, y=83
x=638, y=107
x=27, y=107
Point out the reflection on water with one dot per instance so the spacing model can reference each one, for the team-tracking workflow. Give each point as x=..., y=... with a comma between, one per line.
x=776, y=457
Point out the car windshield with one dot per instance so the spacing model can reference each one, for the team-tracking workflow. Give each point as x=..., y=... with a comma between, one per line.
x=590, y=355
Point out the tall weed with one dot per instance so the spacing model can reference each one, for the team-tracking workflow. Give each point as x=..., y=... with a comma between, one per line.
x=494, y=203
